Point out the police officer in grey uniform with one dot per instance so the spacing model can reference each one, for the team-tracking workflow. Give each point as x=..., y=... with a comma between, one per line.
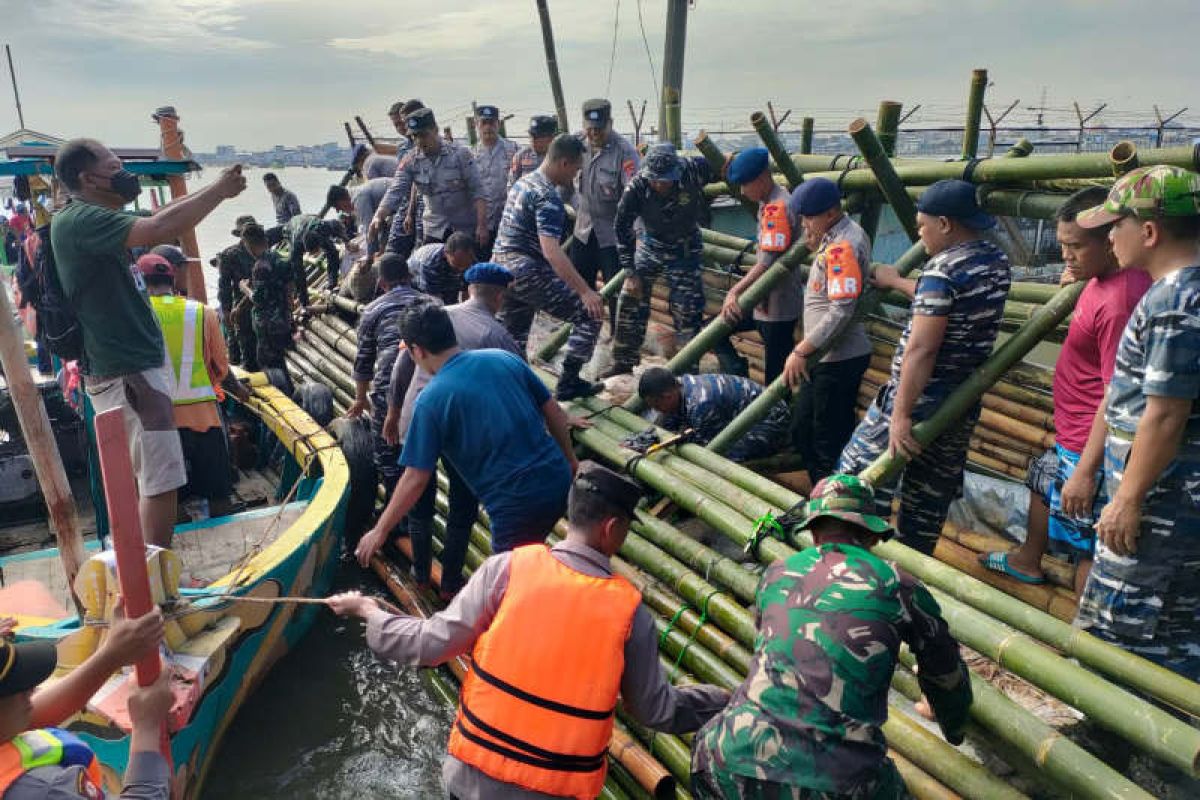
x=393, y=204
x=609, y=164
x=446, y=178
x=542, y=130
x=493, y=158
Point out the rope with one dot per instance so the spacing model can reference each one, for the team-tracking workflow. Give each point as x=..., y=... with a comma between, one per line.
x=969, y=169
x=695, y=631
x=764, y=526
x=612, y=56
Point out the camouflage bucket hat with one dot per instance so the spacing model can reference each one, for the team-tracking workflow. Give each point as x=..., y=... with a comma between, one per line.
x=661, y=163
x=1147, y=192
x=847, y=498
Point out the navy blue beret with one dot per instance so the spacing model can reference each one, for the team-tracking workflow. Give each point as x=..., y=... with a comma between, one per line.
x=488, y=272
x=814, y=196
x=748, y=165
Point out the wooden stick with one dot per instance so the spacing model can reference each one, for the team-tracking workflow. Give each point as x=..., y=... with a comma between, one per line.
x=43, y=449
x=172, y=147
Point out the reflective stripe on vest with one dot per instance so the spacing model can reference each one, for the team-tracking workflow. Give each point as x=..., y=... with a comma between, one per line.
x=45, y=748
x=182, y=324
x=536, y=709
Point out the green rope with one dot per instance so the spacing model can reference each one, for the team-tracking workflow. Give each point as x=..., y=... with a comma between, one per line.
x=662, y=639
x=695, y=631
x=764, y=526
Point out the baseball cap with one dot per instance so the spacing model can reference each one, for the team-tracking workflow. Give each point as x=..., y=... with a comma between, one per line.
x=596, y=113
x=748, y=165
x=154, y=264
x=956, y=200
x=1147, y=192
x=543, y=125
x=662, y=163
x=814, y=196
x=171, y=253
x=487, y=112
x=488, y=272
x=24, y=665
x=612, y=486
x=421, y=120
x=848, y=498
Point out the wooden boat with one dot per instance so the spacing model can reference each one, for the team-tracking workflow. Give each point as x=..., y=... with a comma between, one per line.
x=221, y=649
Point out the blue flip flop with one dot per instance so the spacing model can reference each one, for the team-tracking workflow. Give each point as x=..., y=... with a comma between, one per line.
x=998, y=562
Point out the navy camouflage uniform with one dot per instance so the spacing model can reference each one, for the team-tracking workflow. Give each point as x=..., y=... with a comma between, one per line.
x=709, y=402
x=807, y=721
x=534, y=209
x=1149, y=602
x=448, y=182
x=270, y=284
x=494, y=164
x=524, y=161
x=669, y=244
x=433, y=274
x=235, y=264
x=968, y=284
x=378, y=344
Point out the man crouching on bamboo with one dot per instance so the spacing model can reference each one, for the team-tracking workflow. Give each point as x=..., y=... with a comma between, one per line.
x=554, y=637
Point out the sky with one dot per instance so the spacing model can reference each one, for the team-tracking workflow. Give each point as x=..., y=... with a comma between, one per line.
x=255, y=73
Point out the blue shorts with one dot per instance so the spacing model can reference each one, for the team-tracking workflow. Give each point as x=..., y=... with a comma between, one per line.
x=1069, y=536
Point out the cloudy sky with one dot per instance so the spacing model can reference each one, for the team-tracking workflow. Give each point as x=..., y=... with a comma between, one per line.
x=260, y=72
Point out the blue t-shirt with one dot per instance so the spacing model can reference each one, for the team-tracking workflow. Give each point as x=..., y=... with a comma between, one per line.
x=483, y=412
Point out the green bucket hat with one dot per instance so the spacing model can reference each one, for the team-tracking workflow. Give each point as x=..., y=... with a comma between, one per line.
x=1147, y=192
x=848, y=498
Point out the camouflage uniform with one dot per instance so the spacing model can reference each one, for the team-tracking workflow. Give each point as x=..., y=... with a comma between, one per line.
x=494, y=164
x=294, y=233
x=525, y=161
x=270, y=284
x=378, y=344
x=806, y=723
x=235, y=264
x=433, y=275
x=968, y=284
x=535, y=209
x=668, y=243
x=1149, y=602
x=710, y=402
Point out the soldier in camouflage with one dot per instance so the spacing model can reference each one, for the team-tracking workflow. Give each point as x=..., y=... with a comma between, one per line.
x=271, y=288
x=544, y=279
x=958, y=302
x=378, y=345
x=668, y=197
x=1143, y=592
x=706, y=404
x=437, y=269
x=806, y=723
x=234, y=265
x=493, y=158
x=307, y=233
x=542, y=130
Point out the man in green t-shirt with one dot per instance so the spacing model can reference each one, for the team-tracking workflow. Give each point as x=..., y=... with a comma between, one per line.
x=124, y=357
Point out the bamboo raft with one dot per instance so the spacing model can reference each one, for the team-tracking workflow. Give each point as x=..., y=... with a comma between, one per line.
x=1041, y=686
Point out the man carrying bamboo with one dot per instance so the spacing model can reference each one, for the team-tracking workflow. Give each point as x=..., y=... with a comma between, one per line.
x=806, y=723
x=1143, y=590
x=1066, y=489
x=554, y=636
x=667, y=195
x=826, y=401
x=958, y=302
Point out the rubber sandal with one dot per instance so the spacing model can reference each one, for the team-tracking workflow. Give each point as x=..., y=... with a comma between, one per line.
x=998, y=562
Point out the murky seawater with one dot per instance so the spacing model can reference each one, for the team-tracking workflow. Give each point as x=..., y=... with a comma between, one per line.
x=333, y=721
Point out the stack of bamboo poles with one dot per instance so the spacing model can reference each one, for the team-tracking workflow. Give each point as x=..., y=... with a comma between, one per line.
x=706, y=595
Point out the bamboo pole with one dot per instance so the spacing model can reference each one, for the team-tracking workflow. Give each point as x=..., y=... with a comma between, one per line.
x=762, y=126
x=556, y=340
x=979, y=82
x=716, y=159
x=560, y=104
x=891, y=186
x=887, y=125
x=42, y=447
x=1044, y=597
x=806, y=135
x=172, y=148
x=1124, y=158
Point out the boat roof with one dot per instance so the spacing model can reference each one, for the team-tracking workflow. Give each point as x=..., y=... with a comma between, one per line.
x=146, y=162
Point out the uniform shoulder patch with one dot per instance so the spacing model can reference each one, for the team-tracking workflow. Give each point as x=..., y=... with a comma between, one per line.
x=629, y=166
x=843, y=274
x=84, y=787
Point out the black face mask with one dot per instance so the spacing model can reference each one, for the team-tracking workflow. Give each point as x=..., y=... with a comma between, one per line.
x=125, y=184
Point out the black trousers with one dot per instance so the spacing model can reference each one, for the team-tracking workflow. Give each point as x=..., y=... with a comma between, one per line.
x=823, y=417
x=591, y=260
x=778, y=340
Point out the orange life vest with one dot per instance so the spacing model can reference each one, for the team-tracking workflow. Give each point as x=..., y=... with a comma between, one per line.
x=536, y=709
x=774, y=228
x=46, y=748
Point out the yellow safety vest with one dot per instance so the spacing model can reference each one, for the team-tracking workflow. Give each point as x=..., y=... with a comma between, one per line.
x=182, y=323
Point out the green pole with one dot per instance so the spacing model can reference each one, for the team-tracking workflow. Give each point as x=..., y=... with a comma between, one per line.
x=557, y=339
x=889, y=183
x=716, y=159
x=762, y=126
x=779, y=390
x=887, y=123
x=1124, y=158
x=970, y=146
x=560, y=104
x=472, y=137
x=806, y=135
